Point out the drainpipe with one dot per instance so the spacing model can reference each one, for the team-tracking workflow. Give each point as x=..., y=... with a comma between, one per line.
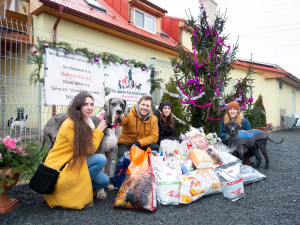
x=130, y=6
x=60, y=11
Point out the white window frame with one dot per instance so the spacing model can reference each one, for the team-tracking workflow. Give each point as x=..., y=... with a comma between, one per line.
x=145, y=15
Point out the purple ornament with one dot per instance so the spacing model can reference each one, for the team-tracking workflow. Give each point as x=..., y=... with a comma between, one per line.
x=126, y=60
x=96, y=59
x=46, y=67
x=176, y=66
x=46, y=45
x=143, y=69
x=254, y=71
x=34, y=51
x=153, y=71
x=221, y=82
x=65, y=52
x=239, y=83
x=208, y=74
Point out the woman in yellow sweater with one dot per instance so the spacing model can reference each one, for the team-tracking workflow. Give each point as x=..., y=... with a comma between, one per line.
x=77, y=141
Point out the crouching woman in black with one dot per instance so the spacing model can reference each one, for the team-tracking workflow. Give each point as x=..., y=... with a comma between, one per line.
x=166, y=122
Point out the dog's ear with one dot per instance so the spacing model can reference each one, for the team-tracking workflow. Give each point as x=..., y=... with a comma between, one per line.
x=107, y=114
x=124, y=106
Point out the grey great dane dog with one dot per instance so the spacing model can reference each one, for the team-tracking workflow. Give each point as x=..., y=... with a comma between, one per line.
x=113, y=114
x=248, y=143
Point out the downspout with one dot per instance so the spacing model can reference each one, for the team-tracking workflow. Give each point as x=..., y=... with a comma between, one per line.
x=130, y=6
x=60, y=11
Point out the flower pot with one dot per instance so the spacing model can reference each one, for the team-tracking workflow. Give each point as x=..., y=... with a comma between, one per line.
x=8, y=204
x=265, y=129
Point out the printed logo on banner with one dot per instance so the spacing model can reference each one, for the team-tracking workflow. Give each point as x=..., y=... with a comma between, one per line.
x=68, y=74
x=126, y=82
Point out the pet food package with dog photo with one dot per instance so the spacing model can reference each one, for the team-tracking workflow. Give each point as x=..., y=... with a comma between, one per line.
x=201, y=159
x=221, y=157
x=167, y=182
x=137, y=192
x=231, y=180
x=198, y=141
x=198, y=183
x=251, y=175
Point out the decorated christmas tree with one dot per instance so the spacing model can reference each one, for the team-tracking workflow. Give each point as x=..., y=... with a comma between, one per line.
x=172, y=95
x=203, y=74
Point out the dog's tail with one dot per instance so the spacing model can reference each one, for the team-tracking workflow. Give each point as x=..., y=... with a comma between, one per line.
x=43, y=144
x=275, y=141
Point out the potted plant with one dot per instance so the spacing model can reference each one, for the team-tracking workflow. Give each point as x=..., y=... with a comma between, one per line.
x=259, y=120
x=13, y=161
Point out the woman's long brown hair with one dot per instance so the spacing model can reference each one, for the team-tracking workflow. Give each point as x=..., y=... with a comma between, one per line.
x=166, y=120
x=82, y=131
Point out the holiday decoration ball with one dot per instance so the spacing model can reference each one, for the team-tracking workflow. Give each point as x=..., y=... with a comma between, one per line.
x=34, y=51
x=96, y=59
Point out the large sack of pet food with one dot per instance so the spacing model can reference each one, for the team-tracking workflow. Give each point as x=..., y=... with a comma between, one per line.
x=136, y=192
x=231, y=180
x=186, y=148
x=198, y=183
x=167, y=182
x=138, y=189
x=198, y=141
x=250, y=175
x=201, y=159
x=121, y=170
x=171, y=153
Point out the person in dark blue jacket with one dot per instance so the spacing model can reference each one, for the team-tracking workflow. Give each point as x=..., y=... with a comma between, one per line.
x=233, y=114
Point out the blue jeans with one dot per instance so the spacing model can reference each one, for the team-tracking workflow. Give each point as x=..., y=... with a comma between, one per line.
x=95, y=164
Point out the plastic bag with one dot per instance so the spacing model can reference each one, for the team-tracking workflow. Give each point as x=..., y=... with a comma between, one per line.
x=231, y=180
x=221, y=157
x=250, y=175
x=138, y=189
x=197, y=184
x=139, y=163
x=121, y=170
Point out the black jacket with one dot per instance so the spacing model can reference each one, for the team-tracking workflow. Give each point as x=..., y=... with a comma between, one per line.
x=165, y=132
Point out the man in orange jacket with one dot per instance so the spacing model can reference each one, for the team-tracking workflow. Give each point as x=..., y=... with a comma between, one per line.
x=139, y=127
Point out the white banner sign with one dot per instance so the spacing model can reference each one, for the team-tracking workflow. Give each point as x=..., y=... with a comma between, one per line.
x=66, y=75
x=126, y=82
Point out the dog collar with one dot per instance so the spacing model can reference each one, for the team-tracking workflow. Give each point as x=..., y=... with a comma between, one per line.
x=108, y=125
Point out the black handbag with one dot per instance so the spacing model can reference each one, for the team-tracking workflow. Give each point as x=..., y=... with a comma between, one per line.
x=45, y=178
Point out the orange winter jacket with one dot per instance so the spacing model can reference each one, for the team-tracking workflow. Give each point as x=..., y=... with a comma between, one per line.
x=134, y=128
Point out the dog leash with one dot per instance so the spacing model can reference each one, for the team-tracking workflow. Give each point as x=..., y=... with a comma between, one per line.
x=108, y=124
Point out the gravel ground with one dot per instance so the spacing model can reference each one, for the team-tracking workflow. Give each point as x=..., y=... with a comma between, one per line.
x=275, y=200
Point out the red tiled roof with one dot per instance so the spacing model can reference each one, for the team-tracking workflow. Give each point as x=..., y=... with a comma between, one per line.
x=112, y=19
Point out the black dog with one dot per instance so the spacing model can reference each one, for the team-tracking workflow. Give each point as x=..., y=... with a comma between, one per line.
x=248, y=143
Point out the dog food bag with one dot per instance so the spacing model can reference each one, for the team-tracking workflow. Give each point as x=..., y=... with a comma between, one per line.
x=167, y=182
x=137, y=192
x=223, y=157
x=186, y=148
x=201, y=159
x=198, y=141
x=198, y=183
x=231, y=180
x=250, y=175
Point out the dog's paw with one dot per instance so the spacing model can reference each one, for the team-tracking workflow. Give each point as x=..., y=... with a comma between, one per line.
x=101, y=194
x=110, y=187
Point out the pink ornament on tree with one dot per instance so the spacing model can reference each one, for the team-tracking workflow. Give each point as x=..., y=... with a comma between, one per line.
x=143, y=69
x=46, y=45
x=96, y=59
x=176, y=66
x=126, y=60
x=35, y=51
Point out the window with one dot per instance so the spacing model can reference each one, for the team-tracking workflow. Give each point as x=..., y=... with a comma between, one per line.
x=96, y=5
x=144, y=21
x=280, y=85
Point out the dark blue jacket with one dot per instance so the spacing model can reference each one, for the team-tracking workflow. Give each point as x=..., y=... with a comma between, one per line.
x=245, y=126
